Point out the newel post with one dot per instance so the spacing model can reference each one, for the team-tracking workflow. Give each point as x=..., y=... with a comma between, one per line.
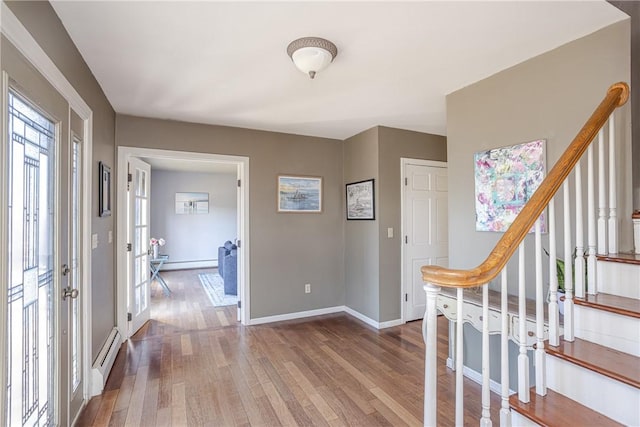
x=430, y=335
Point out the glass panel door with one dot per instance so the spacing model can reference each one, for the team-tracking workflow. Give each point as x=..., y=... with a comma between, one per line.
x=30, y=312
x=139, y=214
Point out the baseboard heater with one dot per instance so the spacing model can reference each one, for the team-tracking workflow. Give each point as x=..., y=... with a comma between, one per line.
x=104, y=362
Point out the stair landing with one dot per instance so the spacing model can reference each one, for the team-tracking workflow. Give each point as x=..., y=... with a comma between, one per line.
x=624, y=258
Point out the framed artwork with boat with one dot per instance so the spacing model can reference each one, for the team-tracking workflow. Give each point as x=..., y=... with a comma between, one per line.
x=361, y=200
x=299, y=194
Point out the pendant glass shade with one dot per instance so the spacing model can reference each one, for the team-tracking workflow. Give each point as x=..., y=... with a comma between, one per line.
x=312, y=54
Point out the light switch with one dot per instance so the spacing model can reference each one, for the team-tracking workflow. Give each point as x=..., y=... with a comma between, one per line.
x=110, y=236
x=94, y=241
x=390, y=233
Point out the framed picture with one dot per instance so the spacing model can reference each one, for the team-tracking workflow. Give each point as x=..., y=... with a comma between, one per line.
x=361, y=200
x=299, y=194
x=192, y=203
x=505, y=179
x=104, y=190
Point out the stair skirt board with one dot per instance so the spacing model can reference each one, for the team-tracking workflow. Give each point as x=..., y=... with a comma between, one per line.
x=104, y=362
x=607, y=396
x=608, y=329
x=617, y=278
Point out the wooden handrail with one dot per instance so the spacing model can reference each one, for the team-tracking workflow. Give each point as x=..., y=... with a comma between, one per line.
x=617, y=96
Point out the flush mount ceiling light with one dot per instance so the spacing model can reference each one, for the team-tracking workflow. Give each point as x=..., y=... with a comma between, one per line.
x=312, y=54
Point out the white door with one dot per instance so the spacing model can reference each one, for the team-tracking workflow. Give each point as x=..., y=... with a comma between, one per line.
x=426, y=230
x=43, y=358
x=139, y=306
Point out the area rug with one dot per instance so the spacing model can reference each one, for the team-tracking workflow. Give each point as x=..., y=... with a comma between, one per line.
x=214, y=287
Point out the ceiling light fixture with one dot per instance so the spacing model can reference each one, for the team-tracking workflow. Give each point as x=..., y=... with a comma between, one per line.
x=312, y=54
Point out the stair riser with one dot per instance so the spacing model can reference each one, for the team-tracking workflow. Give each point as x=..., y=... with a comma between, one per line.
x=619, y=279
x=608, y=329
x=518, y=420
x=611, y=398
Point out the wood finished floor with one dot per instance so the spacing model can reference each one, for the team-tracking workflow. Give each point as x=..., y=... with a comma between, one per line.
x=194, y=365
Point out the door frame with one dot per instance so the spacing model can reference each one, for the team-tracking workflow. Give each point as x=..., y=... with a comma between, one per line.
x=242, y=163
x=404, y=161
x=24, y=42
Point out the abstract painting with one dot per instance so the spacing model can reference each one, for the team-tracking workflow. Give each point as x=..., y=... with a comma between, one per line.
x=505, y=179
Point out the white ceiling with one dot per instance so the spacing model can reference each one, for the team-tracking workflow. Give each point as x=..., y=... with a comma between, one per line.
x=181, y=165
x=226, y=63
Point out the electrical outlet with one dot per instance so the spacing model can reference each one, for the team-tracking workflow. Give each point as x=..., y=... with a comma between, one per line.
x=307, y=288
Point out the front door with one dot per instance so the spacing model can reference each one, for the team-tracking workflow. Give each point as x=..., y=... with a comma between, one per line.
x=42, y=327
x=139, y=304
x=426, y=230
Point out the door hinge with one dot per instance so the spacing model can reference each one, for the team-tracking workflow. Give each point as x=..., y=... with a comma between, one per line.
x=238, y=243
x=406, y=297
x=239, y=182
x=239, y=304
x=129, y=317
x=406, y=240
x=406, y=181
x=128, y=247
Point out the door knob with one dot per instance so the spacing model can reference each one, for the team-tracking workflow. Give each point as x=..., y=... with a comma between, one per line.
x=68, y=292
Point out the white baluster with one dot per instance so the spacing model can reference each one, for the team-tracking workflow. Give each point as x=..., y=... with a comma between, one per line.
x=602, y=197
x=541, y=379
x=505, y=409
x=591, y=224
x=613, y=215
x=459, y=418
x=579, y=262
x=523, y=358
x=485, y=421
x=554, y=316
x=430, y=336
x=568, y=265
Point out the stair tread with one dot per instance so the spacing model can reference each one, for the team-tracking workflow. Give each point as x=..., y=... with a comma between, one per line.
x=613, y=303
x=623, y=257
x=606, y=361
x=554, y=409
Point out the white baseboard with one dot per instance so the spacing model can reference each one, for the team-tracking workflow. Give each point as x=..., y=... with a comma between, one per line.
x=185, y=265
x=476, y=377
x=369, y=321
x=296, y=315
x=320, y=312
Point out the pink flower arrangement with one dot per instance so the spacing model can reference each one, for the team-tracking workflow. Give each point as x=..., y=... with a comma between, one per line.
x=157, y=242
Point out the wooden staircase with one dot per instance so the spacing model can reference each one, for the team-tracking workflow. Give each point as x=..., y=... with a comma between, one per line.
x=598, y=363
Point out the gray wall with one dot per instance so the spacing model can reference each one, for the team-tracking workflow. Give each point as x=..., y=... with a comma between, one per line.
x=193, y=237
x=372, y=260
x=393, y=145
x=361, y=257
x=42, y=22
x=632, y=8
x=550, y=97
x=287, y=250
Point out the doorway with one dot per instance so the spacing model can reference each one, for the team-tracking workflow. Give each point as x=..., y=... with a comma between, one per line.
x=424, y=228
x=240, y=166
x=45, y=194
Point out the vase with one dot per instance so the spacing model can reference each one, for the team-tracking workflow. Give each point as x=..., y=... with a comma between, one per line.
x=155, y=251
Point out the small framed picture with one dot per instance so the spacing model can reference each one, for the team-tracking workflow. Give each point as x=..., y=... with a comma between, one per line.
x=361, y=200
x=104, y=190
x=299, y=194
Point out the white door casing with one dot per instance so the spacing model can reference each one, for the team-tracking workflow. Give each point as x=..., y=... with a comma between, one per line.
x=425, y=229
x=242, y=163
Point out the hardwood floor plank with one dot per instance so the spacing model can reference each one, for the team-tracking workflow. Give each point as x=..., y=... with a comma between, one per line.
x=193, y=364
